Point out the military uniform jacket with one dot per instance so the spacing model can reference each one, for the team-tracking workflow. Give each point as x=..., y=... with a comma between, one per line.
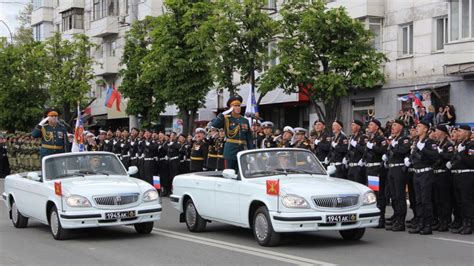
x=199, y=155
x=260, y=137
x=284, y=143
x=125, y=147
x=338, y=152
x=117, y=146
x=355, y=154
x=323, y=148
x=4, y=163
x=108, y=145
x=463, y=159
x=53, y=139
x=303, y=144
x=173, y=150
x=445, y=153
x=397, y=154
x=425, y=157
x=134, y=148
x=238, y=134
x=375, y=154
x=148, y=149
x=268, y=142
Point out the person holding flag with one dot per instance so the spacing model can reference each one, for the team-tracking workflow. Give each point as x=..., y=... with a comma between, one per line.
x=52, y=133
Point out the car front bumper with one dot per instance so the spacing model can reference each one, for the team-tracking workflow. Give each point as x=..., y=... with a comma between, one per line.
x=96, y=218
x=316, y=221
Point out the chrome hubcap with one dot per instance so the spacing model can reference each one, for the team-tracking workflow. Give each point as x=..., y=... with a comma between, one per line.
x=14, y=213
x=54, y=223
x=191, y=215
x=261, y=226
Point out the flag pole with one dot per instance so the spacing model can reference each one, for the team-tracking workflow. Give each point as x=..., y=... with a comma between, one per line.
x=278, y=197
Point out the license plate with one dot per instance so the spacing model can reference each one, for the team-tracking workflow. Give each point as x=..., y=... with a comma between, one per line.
x=341, y=218
x=119, y=215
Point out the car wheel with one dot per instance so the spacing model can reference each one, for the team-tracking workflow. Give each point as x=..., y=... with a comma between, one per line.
x=352, y=234
x=18, y=220
x=58, y=232
x=144, y=228
x=263, y=229
x=194, y=221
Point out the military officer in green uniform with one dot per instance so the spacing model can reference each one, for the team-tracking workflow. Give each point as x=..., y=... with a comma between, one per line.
x=53, y=134
x=237, y=131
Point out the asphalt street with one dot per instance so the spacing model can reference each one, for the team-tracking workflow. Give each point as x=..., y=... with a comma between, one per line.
x=171, y=243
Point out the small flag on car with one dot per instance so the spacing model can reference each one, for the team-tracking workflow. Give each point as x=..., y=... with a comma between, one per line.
x=273, y=187
x=156, y=182
x=58, y=189
x=373, y=182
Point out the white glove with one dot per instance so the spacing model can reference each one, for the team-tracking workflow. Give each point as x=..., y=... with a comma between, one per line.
x=449, y=165
x=440, y=150
x=147, y=143
x=344, y=161
x=360, y=163
x=384, y=158
x=326, y=160
x=420, y=145
x=317, y=141
x=461, y=147
x=43, y=121
x=228, y=111
x=394, y=143
x=370, y=145
x=407, y=162
x=333, y=144
x=353, y=143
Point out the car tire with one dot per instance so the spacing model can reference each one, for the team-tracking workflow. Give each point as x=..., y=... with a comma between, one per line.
x=352, y=234
x=194, y=221
x=263, y=229
x=144, y=228
x=58, y=232
x=18, y=220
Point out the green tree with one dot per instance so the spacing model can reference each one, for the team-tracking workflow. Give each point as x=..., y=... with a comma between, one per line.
x=22, y=93
x=243, y=31
x=325, y=54
x=68, y=73
x=142, y=100
x=179, y=63
x=24, y=32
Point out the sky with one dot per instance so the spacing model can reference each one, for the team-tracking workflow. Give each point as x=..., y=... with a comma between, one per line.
x=9, y=9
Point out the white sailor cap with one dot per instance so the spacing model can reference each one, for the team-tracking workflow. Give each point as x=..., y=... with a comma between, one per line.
x=200, y=130
x=289, y=129
x=267, y=124
x=300, y=130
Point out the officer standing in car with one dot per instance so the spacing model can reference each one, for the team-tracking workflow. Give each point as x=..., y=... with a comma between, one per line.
x=52, y=133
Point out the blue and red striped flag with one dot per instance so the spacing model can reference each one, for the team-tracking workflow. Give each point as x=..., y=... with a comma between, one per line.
x=78, y=144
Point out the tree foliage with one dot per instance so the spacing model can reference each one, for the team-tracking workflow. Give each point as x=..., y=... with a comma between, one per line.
x=325, y=54
x=22, y=79
x=69, y=72
x=24, y=32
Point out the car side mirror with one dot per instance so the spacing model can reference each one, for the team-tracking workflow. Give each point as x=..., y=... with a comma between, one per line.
x=132, y=170
x=331, y=170
x=229, y=174
x=33, y=176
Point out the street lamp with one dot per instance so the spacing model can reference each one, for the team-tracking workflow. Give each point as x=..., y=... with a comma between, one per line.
x=8, y=28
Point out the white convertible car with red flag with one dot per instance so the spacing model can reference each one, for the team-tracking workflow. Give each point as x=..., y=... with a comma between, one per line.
x=275, y=191
x=81, y=190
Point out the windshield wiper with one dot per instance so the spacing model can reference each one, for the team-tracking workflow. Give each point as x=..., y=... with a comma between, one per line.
x=92, y=173
x=275, y=172
x=68, y=175
x=297, y=171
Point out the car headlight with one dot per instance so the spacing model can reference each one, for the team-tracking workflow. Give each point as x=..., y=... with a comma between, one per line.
x=369, y=198
x=293, y=201
x=77, y=201
x=150, y=195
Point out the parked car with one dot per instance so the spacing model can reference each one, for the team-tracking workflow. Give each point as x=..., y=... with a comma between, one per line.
x=81, y=190
x=275, y=191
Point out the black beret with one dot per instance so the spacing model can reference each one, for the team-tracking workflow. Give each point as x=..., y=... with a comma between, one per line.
x=426, y=124
x=400, y=122
x=339, y=122
x=377, y=122
x=235, y=97
x=443, y=128
x=319, y=121
x=134, y=128
x=465, y=127
x=358, y=122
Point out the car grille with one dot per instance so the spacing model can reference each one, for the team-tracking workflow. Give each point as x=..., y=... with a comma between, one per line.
x=337, y=201
x=116, y=200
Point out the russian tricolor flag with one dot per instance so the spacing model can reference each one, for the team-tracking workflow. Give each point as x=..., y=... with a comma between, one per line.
x=373, y=182
x=156, y=182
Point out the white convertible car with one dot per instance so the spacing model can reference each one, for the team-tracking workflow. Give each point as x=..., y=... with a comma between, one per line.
x=276, y=191
x=81, y=190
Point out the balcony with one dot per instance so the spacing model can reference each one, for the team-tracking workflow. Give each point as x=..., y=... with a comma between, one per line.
x=460, y=61
x=42, y=14
x=104, y=26
x=107, y=66
x=361, y=8
x=68, y=4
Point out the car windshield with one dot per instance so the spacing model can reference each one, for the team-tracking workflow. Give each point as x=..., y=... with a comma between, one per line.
x=83, y=165
x=288, y=161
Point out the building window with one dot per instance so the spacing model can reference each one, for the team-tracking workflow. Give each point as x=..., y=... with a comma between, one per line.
x=111, y=48
x=37, y=4
x=461, y=18
x=73, y=19
x=103, y=8
x=375, y=26
x=441, y=33
x=38, y=32
x=272, y=4
x=272, y=46
x=126, y=7
x=407, y=40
